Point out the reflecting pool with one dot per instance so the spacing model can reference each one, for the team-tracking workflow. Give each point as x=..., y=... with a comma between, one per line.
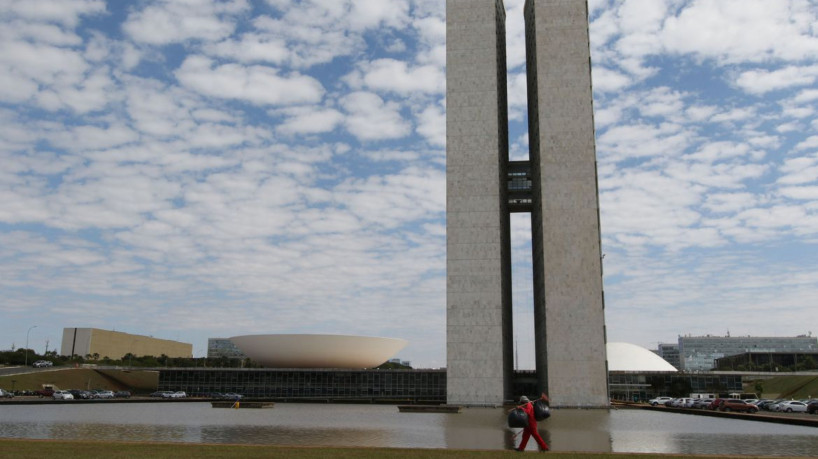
x=383, y=426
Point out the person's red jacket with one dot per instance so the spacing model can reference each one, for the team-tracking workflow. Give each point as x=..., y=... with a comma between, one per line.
x=529, y=410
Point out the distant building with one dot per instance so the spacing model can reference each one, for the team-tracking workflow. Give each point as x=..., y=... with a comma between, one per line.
x=669, y=352
x=769, y=361
x=699, y=353
x=218, y=348
x=115, y=345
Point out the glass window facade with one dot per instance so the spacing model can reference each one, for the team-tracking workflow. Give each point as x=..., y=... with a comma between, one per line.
x=223, y=347
x=641, y=387
x=699, y=353
x=349, y=385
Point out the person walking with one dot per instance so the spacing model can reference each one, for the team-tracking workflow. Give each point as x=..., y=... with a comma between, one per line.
x=531, y=429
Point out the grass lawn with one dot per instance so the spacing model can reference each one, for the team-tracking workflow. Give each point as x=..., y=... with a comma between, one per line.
x=796, y=387
x=17, y=448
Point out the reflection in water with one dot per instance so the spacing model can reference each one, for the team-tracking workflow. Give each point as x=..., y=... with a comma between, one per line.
x=383, y=426
x=579, y=430
x=655, y=432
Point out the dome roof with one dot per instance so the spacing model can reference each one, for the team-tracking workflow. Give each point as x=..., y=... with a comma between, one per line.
x=630, y=357
x=318, y=351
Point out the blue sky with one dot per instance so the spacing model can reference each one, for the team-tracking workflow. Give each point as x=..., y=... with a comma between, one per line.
x=207, y=168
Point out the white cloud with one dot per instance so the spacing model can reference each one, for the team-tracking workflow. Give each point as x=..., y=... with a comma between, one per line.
x=806, y=193
x=174, y=21
x=370, y=118
x=810, y=143
x=396, y=76
x=309, y=120
x=66, y=12
x=763, y=81
x=729, y=202
x=256, y=84
x=89, y=137
x=624, y=141
x=734, y=31
x=251, y=48
x=432, y=125
x=607, y=80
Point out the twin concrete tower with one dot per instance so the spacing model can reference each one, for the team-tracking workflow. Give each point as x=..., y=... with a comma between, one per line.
x=557, y=186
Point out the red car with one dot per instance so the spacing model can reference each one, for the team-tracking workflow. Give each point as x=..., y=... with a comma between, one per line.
x=714, y=405
x=732, y=404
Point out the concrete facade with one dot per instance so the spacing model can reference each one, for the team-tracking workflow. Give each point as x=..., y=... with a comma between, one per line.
x=478, y=265
x=106, y=343
x=567, y=259
x=568, y=300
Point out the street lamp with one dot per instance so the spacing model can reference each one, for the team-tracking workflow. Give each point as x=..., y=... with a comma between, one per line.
x=29, y=331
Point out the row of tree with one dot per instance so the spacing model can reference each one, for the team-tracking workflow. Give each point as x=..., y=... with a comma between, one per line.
x=18, y=357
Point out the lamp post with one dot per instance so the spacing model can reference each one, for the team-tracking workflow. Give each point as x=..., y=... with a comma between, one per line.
x=29, y=331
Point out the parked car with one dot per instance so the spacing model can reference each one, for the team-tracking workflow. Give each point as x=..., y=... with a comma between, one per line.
x=773, y=405
x=47, y=392
x=812, y=407
x=683, y=402
x=733, y=404
x=178, y=394
x=702, y=403
x=763, y=404
x=659, y=400
x=62, y=395
x=105, y=394
x=81, y=394
x=42, y=364
x=714, y=405
x=6, y=394
x=791, y=406
x=232, y=396
x=122, y=394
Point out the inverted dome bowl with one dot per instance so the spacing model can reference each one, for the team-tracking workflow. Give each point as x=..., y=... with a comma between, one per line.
x=318, y=351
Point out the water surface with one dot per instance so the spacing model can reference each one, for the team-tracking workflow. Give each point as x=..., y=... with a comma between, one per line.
x=383, y=426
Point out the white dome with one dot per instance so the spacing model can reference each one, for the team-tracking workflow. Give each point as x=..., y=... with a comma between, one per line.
x=318, y=351
x=630, y=357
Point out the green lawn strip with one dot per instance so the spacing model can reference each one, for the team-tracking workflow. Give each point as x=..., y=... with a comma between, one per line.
x=796, y=387
x=19, y=448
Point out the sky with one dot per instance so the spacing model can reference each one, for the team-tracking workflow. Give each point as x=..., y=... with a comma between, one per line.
x=191, y=169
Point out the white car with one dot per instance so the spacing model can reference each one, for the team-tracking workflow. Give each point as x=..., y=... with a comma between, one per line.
x=105, y=394
x=62, y=395
x=702, y=403
x=682, y=403
x=659, y=401
x=178, y=394
x=791, y=406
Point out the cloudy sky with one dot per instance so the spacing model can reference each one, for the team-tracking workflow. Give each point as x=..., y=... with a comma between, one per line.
x=189, y=169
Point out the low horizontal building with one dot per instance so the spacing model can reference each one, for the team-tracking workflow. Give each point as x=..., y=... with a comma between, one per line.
x=115, y=345
x=769, y=361
x=699, y=353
